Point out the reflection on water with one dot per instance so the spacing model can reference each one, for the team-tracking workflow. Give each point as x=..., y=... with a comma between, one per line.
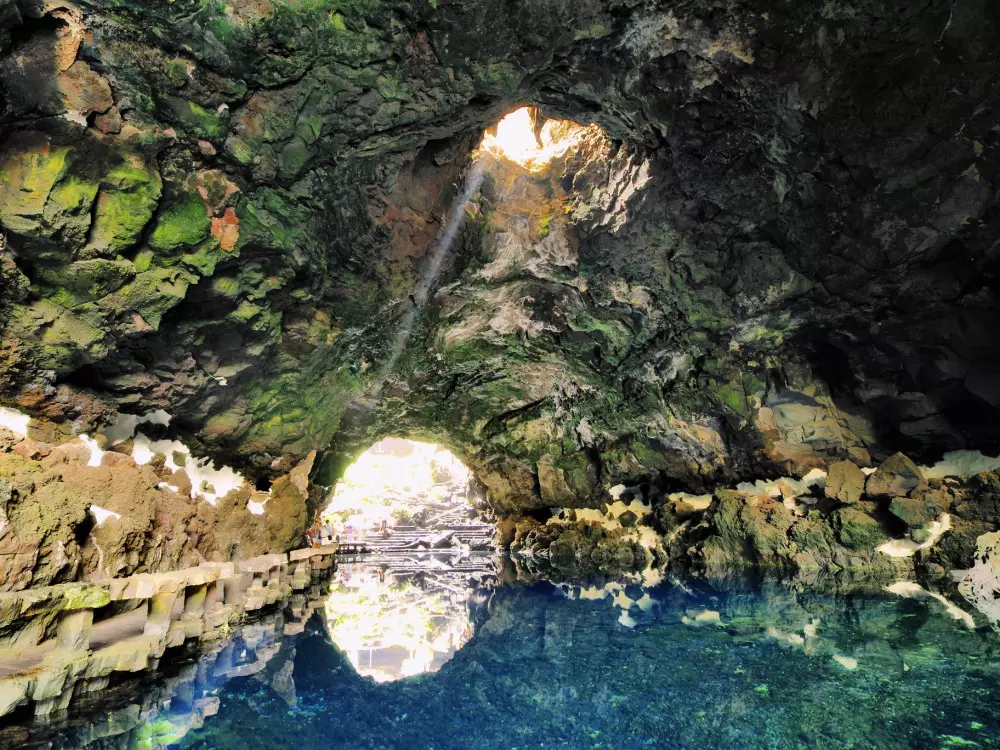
x=407, y=617
x=146, y=711
x=695, y=666
x=622, y=663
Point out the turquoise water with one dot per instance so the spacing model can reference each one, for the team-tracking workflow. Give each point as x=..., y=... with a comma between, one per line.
x=671, y=666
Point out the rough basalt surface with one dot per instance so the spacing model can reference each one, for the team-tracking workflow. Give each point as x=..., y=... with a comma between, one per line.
x=783, y=254
x=785, y=528
x=49, y=532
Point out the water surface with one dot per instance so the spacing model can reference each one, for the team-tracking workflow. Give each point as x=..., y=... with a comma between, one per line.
x=622, y=666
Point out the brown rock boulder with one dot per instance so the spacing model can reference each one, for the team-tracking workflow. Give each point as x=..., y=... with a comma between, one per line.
x=7, y=439
x=924, y=506
x=894, y=478
x=552, y=483
x=30, y=449
x=845, y=482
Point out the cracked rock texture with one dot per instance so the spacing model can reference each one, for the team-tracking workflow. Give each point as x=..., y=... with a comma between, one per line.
x=782, y=253
x=50, y=531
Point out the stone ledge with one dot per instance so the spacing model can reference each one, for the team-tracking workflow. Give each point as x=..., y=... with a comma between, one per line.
x=172, y=607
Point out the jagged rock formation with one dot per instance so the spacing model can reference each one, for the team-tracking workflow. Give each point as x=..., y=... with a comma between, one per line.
x=890, y=529
x=783, y=254
x=63, y=519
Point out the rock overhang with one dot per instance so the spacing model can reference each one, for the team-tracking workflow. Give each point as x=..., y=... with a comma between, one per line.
x=258, y=313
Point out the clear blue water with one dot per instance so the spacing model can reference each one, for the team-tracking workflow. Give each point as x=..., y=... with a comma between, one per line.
x=749, y=666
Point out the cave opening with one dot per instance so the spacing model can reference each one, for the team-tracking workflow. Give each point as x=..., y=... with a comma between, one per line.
x=404, y=604
x=401, y=488
x=527, y=138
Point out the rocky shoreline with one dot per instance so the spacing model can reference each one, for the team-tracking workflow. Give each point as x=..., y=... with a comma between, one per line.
x=59, y=643
x=887, y=523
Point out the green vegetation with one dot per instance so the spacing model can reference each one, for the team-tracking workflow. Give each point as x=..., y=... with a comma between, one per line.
x=194, y=117
x=543, y=226
x=184, y=223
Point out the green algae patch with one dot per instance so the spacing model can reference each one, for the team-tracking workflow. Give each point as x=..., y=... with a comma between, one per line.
x=205, y=258
x=30, y=168
x=194, y=117
x=226, y=286
x=293, y=158
x=613, y=334
x=151, y=294
x=73, y=195
x=258, y=318
x=471, y=350
x=242, y=151
x=68, y=337
x=143, y=260
x=733, y=397
x=59, y=598
x=157, y=734
x=86, y=280
x=739, y=395
x=496, y=78
x=270, y=218
x=183, y=224
x=302, y=409
x=857, y=530
x=129, y=195
x=84, y=596
x=543, y=226
x=177, y=72
x=68, y=209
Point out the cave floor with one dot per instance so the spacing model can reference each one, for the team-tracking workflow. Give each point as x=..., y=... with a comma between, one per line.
x=673, y=664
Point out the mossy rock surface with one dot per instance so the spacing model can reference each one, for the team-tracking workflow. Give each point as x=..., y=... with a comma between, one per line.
x=857, y=530
x=184, y=223
x=130, y=193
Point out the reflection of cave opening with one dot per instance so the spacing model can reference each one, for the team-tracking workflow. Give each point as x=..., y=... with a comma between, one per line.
x=524, y=137
x=403, y=605
x=397, y=619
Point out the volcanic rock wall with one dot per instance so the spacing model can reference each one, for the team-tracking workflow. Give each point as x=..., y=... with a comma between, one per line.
x=784, y=254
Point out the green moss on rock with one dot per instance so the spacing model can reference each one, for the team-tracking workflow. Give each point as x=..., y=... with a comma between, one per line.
x=68, y=339
x=46, y=190
x=194, y=117
x=184, y=223
x=67, y=209
x=858, y=530
x=129, y=195
x=30, y=167
x=84, y=596
x=150, y=295
x=87, y=280
x=293, y=157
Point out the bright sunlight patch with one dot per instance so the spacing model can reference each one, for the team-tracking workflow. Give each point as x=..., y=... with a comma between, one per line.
x=393, y=481
x=522, y=138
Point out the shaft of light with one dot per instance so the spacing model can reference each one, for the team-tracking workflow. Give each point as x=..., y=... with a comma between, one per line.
x=473, y=182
